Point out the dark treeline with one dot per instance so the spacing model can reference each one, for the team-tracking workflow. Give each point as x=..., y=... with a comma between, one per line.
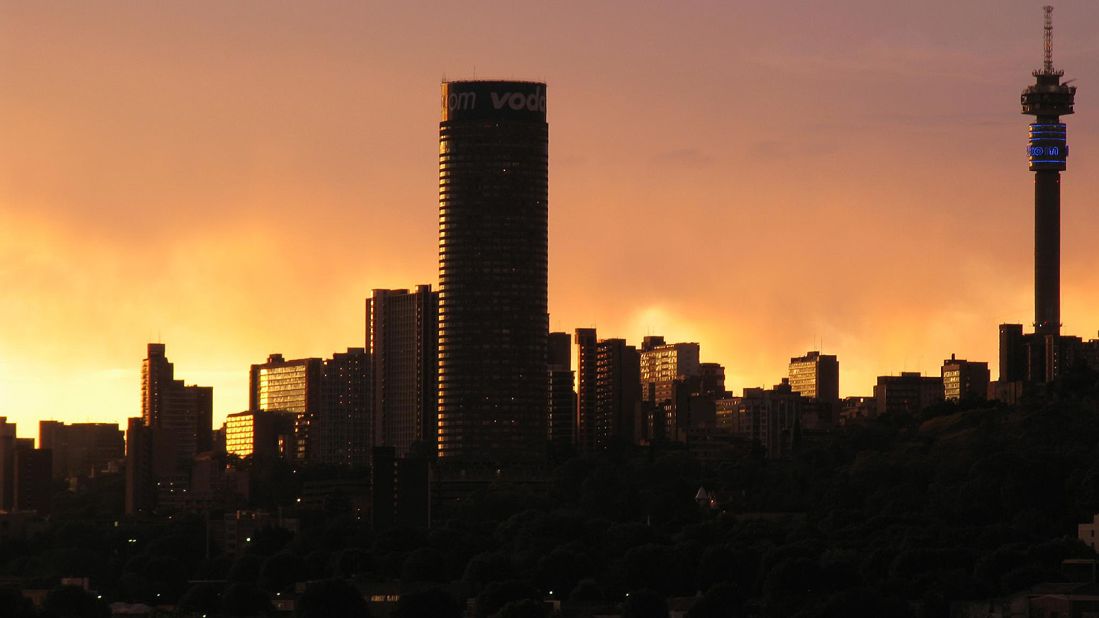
x=898, y=516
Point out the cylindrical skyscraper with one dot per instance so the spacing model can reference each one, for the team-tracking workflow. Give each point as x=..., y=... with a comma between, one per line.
x=493, y=323
x=1048, y=99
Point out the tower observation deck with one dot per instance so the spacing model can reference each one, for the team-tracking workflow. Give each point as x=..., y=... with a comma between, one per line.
x=1047, y=100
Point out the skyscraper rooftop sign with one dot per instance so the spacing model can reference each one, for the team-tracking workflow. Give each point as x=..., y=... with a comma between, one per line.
x=494, y=100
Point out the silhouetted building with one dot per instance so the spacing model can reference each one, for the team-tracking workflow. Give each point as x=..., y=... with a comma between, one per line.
x=33, y=479
x=907, y=393
x=140, y=479
x=853, y=409
x=618, y=393
x=769, y=418
x=1013, y=353
x=80, y=449
x=402, y=336
x=712, y=381
x=342, y=424
x=8, y=443
x=586, y=388
x=562, y=410
x=400, y=490
x=493, y=321
x=260, y=434
x=817, y=376
x=281, y=385
x=964, y=379
x=175, y=426
x=167, y=405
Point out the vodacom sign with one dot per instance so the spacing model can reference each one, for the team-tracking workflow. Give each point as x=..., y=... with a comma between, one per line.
x=481, y=99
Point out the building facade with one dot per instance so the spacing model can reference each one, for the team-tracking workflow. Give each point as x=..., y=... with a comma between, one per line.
x=281, y=385
x=493, y=320
x=770, y=419
x=402, y=338
x=964, y=379
x=618, y=393
x=816, y=376
x=662, y=365
x=80, y=449
x=908, y=393
x=183, y=413
x=260, y=434
x=587, y=342
x=561, y=424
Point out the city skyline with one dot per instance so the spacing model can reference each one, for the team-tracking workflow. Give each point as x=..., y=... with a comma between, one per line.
x=719, y=269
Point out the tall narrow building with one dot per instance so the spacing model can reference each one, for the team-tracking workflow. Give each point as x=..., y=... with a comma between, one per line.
x=560, y=424
x=587, y=388
x=176, y=424
x=181, y=412
x=402, y=339
x=342, y=425
x=493, y=320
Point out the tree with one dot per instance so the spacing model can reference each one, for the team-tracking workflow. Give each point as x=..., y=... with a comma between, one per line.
x=332, y=597
x=14, y=604
x=245, y=600
x=498, y=594
x=203, y=598
x=523, y=608
x=424, y=565
x=645, y=604
x=430, y=603
x=74, y=602
x=281, y=571
x=722, y=601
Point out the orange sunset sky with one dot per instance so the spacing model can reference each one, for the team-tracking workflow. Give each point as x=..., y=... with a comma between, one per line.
x=233, y=178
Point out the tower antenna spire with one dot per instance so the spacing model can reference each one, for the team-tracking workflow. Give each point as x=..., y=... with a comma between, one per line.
x=1047, y=40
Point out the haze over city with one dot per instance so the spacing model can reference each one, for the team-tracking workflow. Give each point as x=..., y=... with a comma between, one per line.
x=233, y=180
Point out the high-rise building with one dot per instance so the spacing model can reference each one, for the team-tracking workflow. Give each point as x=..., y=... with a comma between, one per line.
x=586, y=388
x=402, y=329
x=907, y=393
x=493, y=320
x=664, y=363
x=618, y=393
x=1013, y=353
x=33, y=479
x=964, y=379
x=260, y=434
x=8, y=443
x=561, y=424
x=140, y=476
x=175, y=426
x=281, y=385
x=768, y=418
x=342, y=426
x=170, y=407
x=81, y=448
x=712, y=381
x=817, y=376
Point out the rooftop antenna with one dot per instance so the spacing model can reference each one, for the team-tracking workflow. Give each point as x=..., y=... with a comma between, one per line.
x=1047, y=40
